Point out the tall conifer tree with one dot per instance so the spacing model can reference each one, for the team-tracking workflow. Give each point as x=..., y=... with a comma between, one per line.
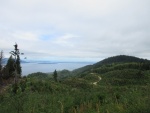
x=10, y=67
x=19, y=70
x=55, y=75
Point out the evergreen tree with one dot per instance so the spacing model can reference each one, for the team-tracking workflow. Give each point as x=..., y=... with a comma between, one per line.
x=10, y=67
x=55, y=75
x=19, y=70
x=17, y=67
x=1, y=58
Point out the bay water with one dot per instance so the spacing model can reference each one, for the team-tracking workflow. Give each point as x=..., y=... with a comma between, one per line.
x=28, y=68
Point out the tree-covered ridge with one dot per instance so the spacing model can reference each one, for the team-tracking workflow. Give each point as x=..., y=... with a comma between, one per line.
x=121, y=59
x=113, y=71
x=39, y=75
x=115, y=87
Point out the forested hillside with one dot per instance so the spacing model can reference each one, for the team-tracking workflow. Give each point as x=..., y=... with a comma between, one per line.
x=119, y=84
x=122, y=60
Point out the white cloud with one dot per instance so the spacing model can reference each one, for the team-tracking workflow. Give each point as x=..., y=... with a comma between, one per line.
x=76, y=28
x=25, y=36
x=66, y=40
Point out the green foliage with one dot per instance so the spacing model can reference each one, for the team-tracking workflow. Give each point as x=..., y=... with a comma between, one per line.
x=77, y=83
x=38, y=75
x=113, y=63
x=1, y=58
x=63, y=74
x=121, y=59
x=36, y=96
x=18, y=66
x=81, y=70
x=55, y=75
x=124, y=88
x=92, y=77
x=9, y=68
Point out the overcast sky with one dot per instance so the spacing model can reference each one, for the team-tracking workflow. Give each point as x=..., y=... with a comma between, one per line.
x=75, y=30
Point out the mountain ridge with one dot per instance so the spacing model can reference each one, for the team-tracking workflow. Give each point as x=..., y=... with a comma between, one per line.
x=110, y=60
x=121, y=59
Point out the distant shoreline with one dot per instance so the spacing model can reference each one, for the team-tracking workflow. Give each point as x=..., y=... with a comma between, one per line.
x=45, y=67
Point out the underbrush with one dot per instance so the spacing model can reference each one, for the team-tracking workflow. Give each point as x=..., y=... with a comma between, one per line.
x=46, y=96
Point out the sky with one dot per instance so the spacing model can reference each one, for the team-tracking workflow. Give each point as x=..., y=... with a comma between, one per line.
x=75, y=30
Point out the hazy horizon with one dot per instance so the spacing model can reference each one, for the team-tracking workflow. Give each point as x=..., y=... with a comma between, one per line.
x=28, y=68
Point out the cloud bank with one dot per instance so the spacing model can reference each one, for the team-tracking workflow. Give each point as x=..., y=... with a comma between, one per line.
x=75, y=29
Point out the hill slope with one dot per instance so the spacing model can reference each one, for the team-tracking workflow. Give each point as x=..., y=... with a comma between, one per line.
x=110, y=60
x=116, y=87
x=120, y=59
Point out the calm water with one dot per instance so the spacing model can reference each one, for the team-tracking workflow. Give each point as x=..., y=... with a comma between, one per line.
x=28, y=68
